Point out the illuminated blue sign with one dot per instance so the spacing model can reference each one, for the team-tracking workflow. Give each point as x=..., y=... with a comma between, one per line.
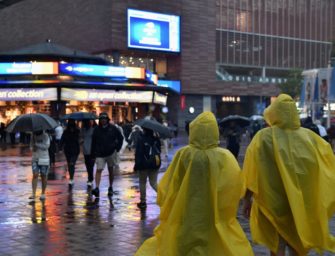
x=15, y=68
x=153, y=31
x=173, y=85
x=76, y=69
x=29, y=68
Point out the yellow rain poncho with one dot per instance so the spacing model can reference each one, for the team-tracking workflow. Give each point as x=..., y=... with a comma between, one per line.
x=291, y=172
x=199, y=195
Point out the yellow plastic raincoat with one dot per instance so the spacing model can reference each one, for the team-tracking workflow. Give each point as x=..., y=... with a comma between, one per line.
x=199, y=195
x=291, y=172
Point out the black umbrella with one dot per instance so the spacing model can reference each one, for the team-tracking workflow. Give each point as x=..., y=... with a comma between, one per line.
x=31, y=123
x=241, y=121
x=151, y=124
x=80, y=116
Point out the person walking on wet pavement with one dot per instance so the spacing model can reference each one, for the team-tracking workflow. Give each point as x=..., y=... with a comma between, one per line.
x=39, y=144
x=198, y=196
x=134, y=136
x=233, y=134
x=146, y=145
x=70, y=145
x=86, y=135
x=106, y=141
x=58, y=135
x=289, y=173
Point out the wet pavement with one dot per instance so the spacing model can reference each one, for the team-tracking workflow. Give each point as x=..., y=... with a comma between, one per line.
x=71, y=222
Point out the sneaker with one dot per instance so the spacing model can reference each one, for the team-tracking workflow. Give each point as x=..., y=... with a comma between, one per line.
x=32, y=197
x=42, y=197
x=142, y=205
x=96, y=192
x=71, y=182
x=110, y=191
x=89, y=184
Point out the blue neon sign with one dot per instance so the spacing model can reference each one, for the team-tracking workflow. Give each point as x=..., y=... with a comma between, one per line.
x=173, y=85
x=21, y=68
x=76, y=69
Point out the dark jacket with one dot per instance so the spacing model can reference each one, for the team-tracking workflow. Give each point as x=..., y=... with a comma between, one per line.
x=70, y=142
x=106, y=140
x=145, y=139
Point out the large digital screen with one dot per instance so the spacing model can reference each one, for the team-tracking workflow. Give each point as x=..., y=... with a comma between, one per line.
x=153, y=31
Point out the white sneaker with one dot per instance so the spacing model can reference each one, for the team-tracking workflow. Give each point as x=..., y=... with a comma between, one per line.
x=71, y=182
x=42, y=197
x=89, y=184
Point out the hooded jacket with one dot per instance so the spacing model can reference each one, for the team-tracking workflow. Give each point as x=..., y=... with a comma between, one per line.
x=198, y=197
x=290, y=171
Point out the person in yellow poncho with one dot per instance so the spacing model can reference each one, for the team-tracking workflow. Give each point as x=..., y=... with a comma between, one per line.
x=199, y=196
x=290, y=173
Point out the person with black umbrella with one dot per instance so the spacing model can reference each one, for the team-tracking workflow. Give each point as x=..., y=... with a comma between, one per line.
x=40, y=161
x=148, y=146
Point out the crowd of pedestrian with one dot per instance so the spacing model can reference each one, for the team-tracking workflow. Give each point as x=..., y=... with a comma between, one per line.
x=285, y=184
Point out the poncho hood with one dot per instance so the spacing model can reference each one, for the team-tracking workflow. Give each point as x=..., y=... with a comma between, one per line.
x=283, y=113
x=204, y=131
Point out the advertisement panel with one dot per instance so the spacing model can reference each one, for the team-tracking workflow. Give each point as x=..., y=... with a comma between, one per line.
x=28, y=94
x=106, y=95
x=160, y=98
x=29, y=68
x=173, y=85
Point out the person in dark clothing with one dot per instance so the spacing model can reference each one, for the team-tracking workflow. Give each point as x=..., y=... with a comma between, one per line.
x=70, y=144
x=256, y=126
x=3, y=132
x=308, y=123
x=127, y=129
x=233, y=139
x=106, y=142
x=135, y=135
x=86, y=135
x=146, y=140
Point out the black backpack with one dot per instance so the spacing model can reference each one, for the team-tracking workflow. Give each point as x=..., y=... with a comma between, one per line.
x=152, y=156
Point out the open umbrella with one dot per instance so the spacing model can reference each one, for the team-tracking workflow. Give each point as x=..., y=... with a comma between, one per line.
x=241, y=121
x=151, y=124
x=256, y=117
x=80, y=116
x=31, y=123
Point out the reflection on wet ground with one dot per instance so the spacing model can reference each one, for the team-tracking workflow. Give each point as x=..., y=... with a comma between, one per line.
x=72, y=222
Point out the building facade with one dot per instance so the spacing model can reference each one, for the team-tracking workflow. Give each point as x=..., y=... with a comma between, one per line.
x=233, y=53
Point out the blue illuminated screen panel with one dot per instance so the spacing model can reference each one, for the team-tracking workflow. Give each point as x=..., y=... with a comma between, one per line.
x=153, y=31
x=173, y=85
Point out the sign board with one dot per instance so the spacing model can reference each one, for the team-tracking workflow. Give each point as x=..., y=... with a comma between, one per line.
x=106, y=95
x=28, y=94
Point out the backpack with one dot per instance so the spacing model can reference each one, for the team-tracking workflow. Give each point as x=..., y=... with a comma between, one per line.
x=152, y=156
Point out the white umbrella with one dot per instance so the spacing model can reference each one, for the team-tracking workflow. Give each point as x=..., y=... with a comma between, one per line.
x=31, y=123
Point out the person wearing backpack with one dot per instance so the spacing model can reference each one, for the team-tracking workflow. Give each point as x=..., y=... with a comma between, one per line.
x=147, y=162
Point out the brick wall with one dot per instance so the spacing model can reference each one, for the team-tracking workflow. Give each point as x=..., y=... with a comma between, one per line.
x=98, y=26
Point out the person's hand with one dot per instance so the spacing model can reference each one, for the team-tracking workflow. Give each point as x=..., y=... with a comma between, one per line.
x=246, y=207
